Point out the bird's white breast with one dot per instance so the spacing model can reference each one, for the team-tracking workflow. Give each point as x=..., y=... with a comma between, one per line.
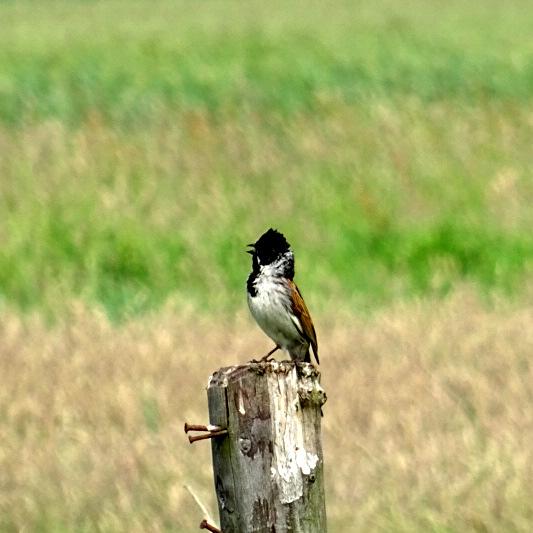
x=271, y=308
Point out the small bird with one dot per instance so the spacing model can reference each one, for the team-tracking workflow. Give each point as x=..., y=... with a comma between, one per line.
x=276, y=302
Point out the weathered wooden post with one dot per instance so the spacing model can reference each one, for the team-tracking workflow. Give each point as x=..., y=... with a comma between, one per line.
x=268, y=468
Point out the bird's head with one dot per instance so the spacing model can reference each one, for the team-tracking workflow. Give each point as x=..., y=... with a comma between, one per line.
x=272, y=249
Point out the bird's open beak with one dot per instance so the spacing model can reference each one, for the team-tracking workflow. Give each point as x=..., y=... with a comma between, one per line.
x=252, y=251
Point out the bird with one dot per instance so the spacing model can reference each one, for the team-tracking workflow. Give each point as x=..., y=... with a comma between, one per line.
x=275, y=301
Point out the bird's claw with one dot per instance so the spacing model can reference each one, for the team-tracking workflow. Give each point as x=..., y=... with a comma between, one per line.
x=266, y=358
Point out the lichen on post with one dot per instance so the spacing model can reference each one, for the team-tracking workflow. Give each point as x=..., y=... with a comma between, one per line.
x=269, y=469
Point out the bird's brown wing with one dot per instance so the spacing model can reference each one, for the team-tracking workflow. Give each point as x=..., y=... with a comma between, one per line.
x=304, y=318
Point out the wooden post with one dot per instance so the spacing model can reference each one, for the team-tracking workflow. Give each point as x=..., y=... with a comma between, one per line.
x=268, y=469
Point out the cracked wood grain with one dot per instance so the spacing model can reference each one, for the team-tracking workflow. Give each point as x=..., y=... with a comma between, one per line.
x=269, y=470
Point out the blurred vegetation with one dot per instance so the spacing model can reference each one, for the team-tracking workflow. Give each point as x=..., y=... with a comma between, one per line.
x=142, y=146
x=437, y=396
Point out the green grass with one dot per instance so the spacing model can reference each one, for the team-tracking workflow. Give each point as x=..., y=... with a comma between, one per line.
x=142, y=147
x=125, y=58
x=144, y=144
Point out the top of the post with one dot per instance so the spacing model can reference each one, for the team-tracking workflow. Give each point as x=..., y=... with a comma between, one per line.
x=223, y=376
x=305, y=375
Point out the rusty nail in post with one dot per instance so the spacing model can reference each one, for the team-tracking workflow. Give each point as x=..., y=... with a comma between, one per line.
x=200, y=427
x=194, y=427
x=219, y=433
x=204, y=524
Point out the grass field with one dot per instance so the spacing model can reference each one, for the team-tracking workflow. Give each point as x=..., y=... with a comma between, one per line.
x=428, y=425
x=142, y=148
x=143, y=145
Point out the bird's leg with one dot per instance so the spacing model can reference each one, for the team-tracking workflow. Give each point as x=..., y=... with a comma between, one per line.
x=266, y=357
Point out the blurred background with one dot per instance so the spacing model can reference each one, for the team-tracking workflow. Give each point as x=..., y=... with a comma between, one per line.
x=144, y=144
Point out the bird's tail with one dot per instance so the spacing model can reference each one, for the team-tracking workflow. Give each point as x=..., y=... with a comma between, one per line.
x=315, y=353
x=307, y=358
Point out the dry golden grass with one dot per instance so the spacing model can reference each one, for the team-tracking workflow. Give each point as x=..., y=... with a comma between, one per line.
x=428, y=426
